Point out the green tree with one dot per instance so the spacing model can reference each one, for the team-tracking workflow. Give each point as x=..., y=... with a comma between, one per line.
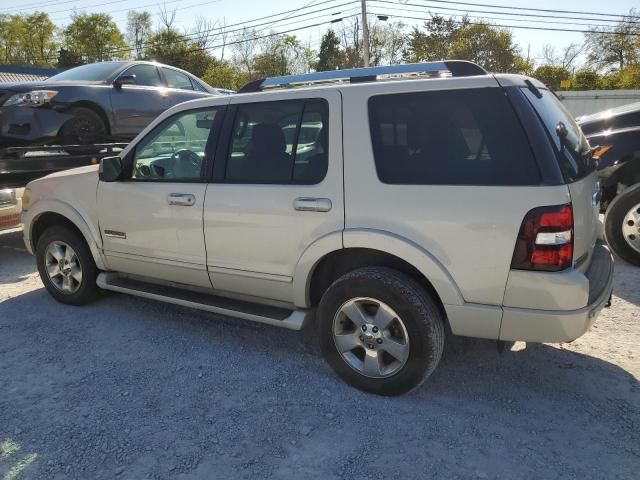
x=38, y=43
x=615, y=47
x=551, y=75
x=222, y=74
x=330, y=56
x=586, y=79
x=11, y=30
x=173, y=48
x=630, y=77
x=492, y=48
x=27, y=39
x=387, y=43
x=138, y=31
x=96, y=37
x=282, y=56
x=434, y=41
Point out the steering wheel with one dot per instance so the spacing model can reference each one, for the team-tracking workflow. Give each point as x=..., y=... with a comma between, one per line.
x=186, y=164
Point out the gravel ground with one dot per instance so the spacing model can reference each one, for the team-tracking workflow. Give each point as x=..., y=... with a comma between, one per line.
x=131, y=389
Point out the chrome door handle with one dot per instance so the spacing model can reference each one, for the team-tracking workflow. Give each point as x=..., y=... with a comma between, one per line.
x=181, y=199
x=306, y=204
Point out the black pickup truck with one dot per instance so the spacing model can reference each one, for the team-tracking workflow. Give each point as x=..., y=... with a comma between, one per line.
x=615, y=135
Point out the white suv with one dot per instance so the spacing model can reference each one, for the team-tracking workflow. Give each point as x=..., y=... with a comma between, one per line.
x=394, y=203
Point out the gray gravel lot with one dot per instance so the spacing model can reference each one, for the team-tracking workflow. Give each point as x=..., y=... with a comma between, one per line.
x=129, y=389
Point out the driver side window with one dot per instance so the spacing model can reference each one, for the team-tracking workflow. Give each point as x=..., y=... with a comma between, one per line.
x=177, y=149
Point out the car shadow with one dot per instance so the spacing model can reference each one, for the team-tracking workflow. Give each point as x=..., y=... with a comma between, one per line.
x=475, y=363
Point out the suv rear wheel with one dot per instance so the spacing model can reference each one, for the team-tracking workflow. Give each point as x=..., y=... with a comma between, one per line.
x=622, y=225
x=66, y=266
x=380, y=330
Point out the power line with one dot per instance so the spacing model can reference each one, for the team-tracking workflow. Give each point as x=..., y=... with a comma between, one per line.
x=288, y=16
x=532, y=15
x=530, y=9
x=274, y=34
x=518, y=27
x=36, y=5
x=190, y=36
x=140, y=7
x=213, y=47
x=450, y=10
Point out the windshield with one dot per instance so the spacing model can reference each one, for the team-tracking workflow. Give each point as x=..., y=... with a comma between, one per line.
x=574, y=153
x=94, y=72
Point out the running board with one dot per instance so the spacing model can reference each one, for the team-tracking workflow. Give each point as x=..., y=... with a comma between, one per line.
x=279, y=317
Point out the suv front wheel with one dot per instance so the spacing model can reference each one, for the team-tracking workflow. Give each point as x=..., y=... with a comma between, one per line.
x=66, y=266
x=380, y=330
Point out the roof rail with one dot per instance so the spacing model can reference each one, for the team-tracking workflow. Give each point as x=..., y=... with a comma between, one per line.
x=454, y=68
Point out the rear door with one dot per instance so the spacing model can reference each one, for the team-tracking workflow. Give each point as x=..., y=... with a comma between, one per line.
x=578, y=169
x=136, y=106
x=277, y=191
x=181, y=88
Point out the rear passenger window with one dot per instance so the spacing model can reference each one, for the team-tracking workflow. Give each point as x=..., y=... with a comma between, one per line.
x=455, y=137
x=177, y=79
x=279, y=142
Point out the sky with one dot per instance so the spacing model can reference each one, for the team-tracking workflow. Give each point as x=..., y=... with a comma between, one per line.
x=234, y=11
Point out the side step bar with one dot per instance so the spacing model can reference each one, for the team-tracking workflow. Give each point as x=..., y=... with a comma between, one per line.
x=279, y=317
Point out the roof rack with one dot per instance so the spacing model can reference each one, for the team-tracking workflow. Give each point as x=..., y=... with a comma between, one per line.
x=445, y=68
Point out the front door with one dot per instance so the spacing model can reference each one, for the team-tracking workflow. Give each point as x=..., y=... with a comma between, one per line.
x=277, y=190
x=151, y=221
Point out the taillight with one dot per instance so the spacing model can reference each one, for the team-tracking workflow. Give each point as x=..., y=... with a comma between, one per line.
x=545, y=240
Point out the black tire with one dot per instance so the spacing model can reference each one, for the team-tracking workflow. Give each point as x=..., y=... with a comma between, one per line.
x=85, y=128
x=614, y=220
x=87, y=291
x=419, y=313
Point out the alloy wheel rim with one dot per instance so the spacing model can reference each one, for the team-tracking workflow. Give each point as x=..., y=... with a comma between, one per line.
x=631, y=228
x=63, y=267
x=371, y=337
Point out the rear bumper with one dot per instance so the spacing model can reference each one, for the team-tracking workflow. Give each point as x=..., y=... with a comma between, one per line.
x=532, y=325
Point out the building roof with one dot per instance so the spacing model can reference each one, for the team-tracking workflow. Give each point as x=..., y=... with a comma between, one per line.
x=15, y=73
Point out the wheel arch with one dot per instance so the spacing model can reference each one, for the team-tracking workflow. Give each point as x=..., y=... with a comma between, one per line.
x=361, y=248
x=94, y=107
x=49, y=213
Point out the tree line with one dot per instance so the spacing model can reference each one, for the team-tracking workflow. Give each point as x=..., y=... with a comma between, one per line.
x=228, y=56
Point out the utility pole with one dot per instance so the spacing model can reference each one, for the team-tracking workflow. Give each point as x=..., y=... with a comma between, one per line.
x=365, y=34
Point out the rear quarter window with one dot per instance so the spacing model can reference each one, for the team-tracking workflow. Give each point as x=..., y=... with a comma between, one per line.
x=453, y=137
x=573, y=153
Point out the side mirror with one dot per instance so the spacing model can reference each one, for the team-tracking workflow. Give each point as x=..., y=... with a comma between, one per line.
x=561, y=130
x=124, y=80
x=110, y=169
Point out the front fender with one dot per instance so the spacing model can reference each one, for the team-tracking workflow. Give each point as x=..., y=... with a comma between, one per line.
x=89, y=231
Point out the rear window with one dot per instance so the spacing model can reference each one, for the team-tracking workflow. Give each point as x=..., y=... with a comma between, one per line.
x=574, y=155
x=453, y=137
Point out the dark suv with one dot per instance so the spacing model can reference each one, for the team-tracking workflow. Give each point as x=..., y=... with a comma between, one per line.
x=93, y=103
x=615, y=134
